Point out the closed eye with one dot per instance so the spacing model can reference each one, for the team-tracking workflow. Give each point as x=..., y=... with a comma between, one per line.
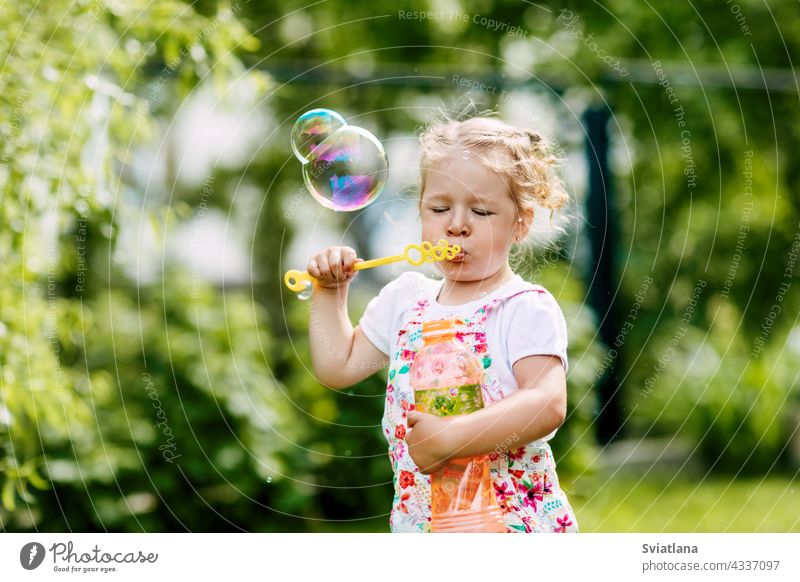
x=481, y=212
x=440, y=210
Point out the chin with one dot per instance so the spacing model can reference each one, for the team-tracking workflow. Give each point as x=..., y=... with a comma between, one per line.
x=457, y=272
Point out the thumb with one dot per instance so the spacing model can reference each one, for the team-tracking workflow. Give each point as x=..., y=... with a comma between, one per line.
x=353, y=274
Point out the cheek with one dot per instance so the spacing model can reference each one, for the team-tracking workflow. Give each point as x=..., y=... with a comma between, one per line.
x=431, y=222
x=500, y=244
x=429, y=231
x=495, y=235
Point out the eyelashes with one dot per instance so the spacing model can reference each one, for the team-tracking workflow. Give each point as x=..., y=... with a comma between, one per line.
x=476, y=211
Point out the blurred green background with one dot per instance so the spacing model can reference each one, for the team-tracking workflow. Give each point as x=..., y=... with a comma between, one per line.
x=155, y=374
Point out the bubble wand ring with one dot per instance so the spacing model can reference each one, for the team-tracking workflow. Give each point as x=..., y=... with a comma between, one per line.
x=414, y=254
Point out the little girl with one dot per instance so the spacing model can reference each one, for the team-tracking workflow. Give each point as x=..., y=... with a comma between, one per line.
x=481, y=180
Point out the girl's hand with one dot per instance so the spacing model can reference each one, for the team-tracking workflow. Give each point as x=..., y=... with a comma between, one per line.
x=428, y=443
x=333, y=267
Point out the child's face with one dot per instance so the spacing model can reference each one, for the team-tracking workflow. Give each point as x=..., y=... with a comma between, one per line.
x=469, y=205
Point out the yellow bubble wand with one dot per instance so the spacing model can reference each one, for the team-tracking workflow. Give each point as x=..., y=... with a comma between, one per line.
x=415, y=254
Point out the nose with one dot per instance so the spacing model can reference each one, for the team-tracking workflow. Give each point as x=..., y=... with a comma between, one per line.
x=458, y=225
x=457, y=230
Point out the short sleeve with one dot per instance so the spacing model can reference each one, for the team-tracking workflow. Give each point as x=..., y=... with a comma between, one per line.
x=537, y=327
x=379, y=320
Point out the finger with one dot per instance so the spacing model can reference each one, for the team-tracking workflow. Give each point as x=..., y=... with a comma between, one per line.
x=313, y=268
x=345, y=263
x=413, y=417
x=324, y=268
x=348, y=259
x=335, y=263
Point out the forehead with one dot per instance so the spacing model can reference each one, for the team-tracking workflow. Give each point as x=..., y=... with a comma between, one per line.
x=465, y=179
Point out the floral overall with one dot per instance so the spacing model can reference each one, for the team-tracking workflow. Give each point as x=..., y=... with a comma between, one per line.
x=524, y=479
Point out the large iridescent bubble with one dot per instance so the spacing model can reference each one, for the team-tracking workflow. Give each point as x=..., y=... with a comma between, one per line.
x=311, y=129
x=347, y=170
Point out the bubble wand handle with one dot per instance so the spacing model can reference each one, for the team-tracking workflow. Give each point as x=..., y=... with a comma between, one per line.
x=414, y=254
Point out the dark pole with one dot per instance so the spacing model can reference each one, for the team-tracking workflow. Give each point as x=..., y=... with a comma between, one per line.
x=601, y=214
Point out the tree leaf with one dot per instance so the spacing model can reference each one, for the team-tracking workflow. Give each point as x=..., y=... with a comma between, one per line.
x=7, y=496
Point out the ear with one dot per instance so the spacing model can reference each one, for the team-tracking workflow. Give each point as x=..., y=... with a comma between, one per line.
x=524, y=223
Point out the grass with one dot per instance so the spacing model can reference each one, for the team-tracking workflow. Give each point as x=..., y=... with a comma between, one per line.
x=713, y=504
x=629, y=505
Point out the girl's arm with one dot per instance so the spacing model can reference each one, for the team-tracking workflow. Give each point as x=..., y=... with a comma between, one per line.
x=534, y=411
x=341, y=356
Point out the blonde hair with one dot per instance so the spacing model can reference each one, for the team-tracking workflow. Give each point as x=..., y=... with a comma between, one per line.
x=524, y=157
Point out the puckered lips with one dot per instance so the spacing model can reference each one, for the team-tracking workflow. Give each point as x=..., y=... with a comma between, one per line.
x=459, y=257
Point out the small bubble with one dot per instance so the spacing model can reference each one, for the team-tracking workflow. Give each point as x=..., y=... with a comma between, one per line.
x=465, y=154
x=348, y=452
x=269, y=479
x=305, y=294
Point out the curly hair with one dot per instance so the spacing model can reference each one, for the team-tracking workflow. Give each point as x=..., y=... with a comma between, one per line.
x=523, y=156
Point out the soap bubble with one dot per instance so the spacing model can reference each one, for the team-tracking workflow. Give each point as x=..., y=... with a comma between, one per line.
x=344, y=167
x=347, y=170
x=311, y=128
x=305, y=294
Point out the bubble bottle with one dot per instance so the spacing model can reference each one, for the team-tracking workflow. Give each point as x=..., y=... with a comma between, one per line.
x=446, y=378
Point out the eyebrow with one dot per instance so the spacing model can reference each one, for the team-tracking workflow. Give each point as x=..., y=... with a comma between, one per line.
x=444, y=197
x=437, y=198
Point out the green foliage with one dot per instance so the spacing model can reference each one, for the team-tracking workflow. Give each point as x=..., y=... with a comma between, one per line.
x=181, y=411
x=736, y=404
x=73, y=92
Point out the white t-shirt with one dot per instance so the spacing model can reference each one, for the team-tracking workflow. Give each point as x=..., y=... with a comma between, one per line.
x=530, y=324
